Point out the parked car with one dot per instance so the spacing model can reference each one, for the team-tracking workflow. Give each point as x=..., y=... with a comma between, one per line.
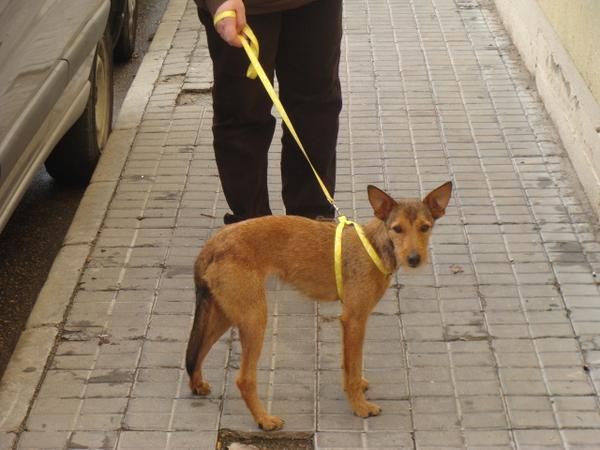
x=56, y=87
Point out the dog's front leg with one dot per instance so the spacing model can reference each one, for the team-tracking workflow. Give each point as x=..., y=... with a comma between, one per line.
x=353, y=330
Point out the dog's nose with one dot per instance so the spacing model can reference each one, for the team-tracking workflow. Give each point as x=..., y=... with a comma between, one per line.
x=414, y=259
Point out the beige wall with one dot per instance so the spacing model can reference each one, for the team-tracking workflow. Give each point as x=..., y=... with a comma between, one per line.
x=577, y=24
x=545, y=32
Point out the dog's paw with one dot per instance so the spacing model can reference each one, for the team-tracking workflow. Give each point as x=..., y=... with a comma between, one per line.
x=366, y=409
x=200, y=388
x=270, y=423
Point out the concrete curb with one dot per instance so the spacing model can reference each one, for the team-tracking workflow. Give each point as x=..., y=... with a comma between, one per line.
x=28, y=362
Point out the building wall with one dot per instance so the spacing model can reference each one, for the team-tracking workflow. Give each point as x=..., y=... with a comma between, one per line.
x=577, y=24
x=556, y=40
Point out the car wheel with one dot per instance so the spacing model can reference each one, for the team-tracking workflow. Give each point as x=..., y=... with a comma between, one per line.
x=75, y=157
x=126, y=43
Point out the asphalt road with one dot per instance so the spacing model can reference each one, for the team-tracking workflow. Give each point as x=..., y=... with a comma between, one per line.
x=34, y=235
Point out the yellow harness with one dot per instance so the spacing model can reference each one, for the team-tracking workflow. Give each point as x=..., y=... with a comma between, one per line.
x=250, y=44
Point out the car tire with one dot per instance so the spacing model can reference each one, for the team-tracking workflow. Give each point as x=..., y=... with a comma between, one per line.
x=125, y=45
x=75, y=157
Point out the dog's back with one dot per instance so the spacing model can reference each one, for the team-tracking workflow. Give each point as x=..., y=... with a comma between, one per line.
x=296, y=249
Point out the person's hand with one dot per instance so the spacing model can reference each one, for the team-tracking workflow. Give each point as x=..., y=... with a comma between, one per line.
x=230, y=27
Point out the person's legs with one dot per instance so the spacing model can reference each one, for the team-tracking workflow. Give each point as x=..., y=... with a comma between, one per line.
x=307, y=71
x=242, y=124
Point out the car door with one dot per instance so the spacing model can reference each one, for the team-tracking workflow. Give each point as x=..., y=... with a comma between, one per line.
x=42, y=45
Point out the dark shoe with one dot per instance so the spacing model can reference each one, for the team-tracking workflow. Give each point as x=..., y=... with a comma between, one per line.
x=229, y=218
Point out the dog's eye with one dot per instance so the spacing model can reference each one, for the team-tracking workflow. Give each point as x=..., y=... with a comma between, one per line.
x=425, y=228
x=398, y=229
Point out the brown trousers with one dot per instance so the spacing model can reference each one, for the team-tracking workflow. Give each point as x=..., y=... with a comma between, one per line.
x=302, y=47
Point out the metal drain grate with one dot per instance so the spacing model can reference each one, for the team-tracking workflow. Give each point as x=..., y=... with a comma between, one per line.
x=236, y=440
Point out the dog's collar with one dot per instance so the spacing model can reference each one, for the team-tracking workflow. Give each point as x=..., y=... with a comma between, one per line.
x=339, y=281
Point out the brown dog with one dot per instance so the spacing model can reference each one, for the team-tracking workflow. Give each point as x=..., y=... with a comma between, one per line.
x=230, y=277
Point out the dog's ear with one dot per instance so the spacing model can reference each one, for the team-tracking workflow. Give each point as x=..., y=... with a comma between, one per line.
x=438, y=199
x=381, y=202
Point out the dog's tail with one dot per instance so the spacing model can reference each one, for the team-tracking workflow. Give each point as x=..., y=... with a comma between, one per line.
x=203, y=299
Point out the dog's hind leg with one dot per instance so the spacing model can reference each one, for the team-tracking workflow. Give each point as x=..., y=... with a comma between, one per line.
x=209, y=325
x=251, y=336
x=247, y=307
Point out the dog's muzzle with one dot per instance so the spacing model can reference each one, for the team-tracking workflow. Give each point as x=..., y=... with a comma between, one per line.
x=414, y=259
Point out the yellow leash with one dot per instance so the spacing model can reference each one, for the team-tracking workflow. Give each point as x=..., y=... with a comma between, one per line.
x=250, y=44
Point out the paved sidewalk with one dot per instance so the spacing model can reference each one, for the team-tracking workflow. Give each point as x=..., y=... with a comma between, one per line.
x=495, y=345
